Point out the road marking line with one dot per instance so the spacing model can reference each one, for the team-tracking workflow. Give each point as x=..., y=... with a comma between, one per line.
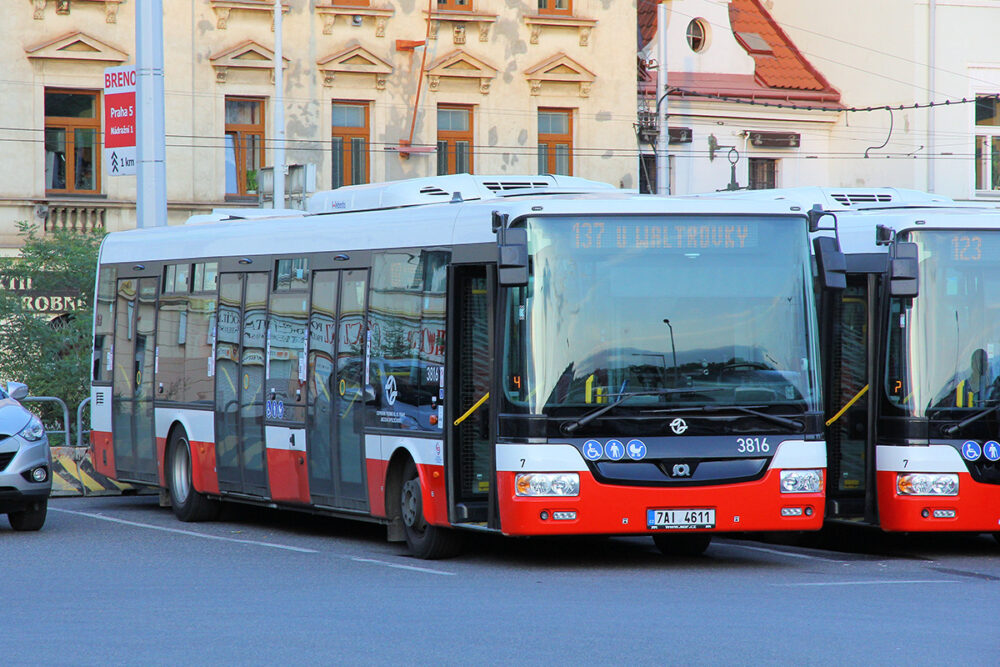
x=782, y=553
x=414, y=568
x=190, y=533
x=873, y=583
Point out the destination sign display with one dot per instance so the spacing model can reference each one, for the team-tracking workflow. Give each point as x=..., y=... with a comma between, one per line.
x=688, y=235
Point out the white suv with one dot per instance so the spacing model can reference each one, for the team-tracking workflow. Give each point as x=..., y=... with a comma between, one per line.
x=25, y=462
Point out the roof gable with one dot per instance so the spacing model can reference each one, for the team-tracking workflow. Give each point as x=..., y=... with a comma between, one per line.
x=76, y=46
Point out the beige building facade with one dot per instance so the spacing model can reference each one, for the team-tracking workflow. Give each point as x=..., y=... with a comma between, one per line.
x=373, y=91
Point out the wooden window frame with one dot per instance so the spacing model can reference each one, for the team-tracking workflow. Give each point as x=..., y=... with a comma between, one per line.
x=756, y=184
x=550, y=9
x=453, y=6
x=986, y=148
x=448, y=137
x=69, y=125
x=346, y=134
x=551, y=141
x=239, y=131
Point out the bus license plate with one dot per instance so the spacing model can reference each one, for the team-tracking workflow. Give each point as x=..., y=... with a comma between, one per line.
x=680, y=519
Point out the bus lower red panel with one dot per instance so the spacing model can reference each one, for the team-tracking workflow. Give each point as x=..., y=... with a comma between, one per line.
x=375, y=470
x=608, y=509
x=976, y=508
x=102, y=453
x=204, y=477
x=433, y=490
x=161, y=457
x=288, y=475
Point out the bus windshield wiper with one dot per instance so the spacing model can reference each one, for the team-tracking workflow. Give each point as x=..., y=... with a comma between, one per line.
x=952, y=429
x=746, y=409
x=570, y=426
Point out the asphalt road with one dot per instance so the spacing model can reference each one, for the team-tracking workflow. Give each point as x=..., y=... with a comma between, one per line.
x=118, y=580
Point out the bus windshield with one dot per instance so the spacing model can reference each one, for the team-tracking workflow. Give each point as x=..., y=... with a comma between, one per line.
x=944, y=344
x=709, y=310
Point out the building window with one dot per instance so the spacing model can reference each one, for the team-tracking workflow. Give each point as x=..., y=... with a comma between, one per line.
x=763, y=173
x=459, y=5
x=697, y=35
x=987, y=142
x=244, y=144
x=350, y=143
x=72, y=146
x=647, y=173
x=555, y=141
x=555, y=7
x=454, y=140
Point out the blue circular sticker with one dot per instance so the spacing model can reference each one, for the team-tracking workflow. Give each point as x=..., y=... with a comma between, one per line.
x=592, y=450
x=991, y=450
x=971, y=450
x=636, y=450
x=615, y=450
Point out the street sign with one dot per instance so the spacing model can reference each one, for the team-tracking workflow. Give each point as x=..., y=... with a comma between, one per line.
x=119, y=121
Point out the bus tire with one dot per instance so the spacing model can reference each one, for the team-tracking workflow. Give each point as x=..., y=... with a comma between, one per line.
x=188, y=504
x=422, y=539
x=693, y=544
x=32, y=518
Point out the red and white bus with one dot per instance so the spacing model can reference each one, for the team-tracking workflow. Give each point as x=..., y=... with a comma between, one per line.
x=911, y=359
x=533, y=355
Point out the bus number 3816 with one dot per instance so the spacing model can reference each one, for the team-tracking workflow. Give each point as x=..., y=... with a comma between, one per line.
x=752, y=445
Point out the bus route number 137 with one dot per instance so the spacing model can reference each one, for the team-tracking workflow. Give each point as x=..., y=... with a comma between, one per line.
x=752, y=446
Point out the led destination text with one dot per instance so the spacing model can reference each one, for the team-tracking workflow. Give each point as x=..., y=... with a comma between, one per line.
x=677, y=236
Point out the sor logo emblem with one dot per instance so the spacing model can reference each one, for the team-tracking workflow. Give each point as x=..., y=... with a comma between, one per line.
x=678, y=426
x=390, y=390
x=681, y=470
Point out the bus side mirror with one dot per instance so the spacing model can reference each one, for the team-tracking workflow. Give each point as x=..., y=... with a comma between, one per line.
x=830, y=262
x=513, y=258
x=903, y=271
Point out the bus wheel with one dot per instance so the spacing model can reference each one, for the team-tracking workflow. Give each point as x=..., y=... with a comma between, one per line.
x=188, y=504
x=682, y=545
x=423, y=539
x=32, y=518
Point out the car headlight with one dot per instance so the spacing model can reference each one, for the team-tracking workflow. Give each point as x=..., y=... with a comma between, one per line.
x=34, y=431
x=927, y=484
x=801, y=481
x=547, y=484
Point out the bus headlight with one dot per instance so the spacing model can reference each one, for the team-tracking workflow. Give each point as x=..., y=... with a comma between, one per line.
x=547, y=484
x=927, y=484
x=801, y=481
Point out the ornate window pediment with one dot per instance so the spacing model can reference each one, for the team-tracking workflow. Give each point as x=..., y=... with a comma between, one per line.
x=460, y=65
x=330, y=11
x=555, y=22
x=560, y=69
x=64, y=6
x=458, y=21
x=247, y=56
x=355, y=59
x=223, y=8
x=78, y=46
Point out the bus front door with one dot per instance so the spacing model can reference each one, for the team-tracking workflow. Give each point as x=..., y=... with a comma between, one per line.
x=133, y=434
x=336, y=409
x=850, y=450
x=470, y=452
x=239, y=383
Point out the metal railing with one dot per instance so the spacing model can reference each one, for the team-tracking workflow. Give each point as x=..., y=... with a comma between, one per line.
x=53, y=399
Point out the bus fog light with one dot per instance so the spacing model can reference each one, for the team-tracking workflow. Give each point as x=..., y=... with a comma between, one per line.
x=945, y=514
x=547, y=484
x=801, y=481
x=792, y=511
x=927, y=484
x=564, y=516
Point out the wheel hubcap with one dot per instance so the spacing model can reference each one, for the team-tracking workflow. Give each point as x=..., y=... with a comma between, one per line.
x=180, y=479
x=410, y=503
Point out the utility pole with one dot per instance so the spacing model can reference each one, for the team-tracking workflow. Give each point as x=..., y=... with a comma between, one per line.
x=663, y=140
x=278, y=171
x=151, y=184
